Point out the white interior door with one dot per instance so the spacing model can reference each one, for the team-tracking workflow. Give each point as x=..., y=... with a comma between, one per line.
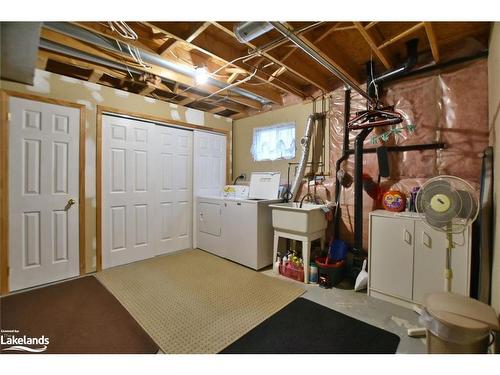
x=43, y=177
x=128, y=192
x=209, y=164
x=174, y=191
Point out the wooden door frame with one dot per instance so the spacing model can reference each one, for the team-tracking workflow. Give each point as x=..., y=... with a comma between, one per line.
x=101, y=110
x=4, y=179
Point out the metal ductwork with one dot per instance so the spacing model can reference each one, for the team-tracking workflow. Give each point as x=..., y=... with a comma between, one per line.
x=112, y=45
x=305, y=142
x=320, y=59
x=248, y=31
x=18, y=64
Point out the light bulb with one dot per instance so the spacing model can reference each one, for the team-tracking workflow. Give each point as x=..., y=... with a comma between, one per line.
x=201, y=76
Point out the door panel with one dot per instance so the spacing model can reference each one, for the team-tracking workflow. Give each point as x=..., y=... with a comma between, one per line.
x=209, y=165
x=392, y=256
x=43, y=165
x=128, y=190
x=174, y=195
x=149, y=192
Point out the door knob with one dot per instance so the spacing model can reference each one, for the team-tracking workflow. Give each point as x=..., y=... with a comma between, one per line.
x=70, y=203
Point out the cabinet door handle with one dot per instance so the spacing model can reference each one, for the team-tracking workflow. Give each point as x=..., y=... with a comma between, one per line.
x=407, y=237
x=426, y=240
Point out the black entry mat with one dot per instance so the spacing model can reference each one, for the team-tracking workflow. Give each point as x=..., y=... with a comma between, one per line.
x=305, y=327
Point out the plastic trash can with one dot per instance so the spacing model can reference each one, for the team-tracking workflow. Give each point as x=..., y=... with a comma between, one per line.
x=456, y=324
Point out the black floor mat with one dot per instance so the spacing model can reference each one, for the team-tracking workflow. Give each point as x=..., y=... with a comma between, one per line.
x=305, y=327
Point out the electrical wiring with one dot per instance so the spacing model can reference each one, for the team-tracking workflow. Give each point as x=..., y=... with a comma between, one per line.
x=122, y=29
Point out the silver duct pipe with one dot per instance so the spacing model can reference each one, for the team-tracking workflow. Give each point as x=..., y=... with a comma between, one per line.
x=247, y=31
x=110, y=44
x=305, y=142
x=318, y=58
x=59, y=48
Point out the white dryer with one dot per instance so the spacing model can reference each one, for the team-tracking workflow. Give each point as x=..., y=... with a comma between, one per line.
x=240, y=229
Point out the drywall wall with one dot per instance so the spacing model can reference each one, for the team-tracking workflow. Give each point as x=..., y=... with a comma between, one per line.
x=243, y=137
x=90, y=94
x=494, y=121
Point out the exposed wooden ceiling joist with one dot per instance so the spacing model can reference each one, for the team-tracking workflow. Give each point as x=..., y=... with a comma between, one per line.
x=371, y=42
x=402, y=35
x=432, y=41
x=313, y=77
x=214, y=49
x=125, y=59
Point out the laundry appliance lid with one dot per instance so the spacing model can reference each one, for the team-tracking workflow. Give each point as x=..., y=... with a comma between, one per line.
x=264, y=185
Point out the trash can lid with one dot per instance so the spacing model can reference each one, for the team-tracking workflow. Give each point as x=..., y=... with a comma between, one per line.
x=460, y=311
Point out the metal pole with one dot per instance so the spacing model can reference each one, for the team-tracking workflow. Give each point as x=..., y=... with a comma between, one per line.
x=318, y=58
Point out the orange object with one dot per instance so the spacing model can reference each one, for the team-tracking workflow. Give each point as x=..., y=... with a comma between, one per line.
x=394, y=200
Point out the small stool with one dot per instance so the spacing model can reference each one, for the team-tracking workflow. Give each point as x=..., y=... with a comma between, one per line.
x=306, y=239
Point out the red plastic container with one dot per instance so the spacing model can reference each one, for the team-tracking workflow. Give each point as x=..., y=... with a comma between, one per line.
x=291, y=271
x=334, y=270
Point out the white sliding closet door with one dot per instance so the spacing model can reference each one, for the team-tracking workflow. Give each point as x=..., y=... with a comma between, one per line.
x=43, y=193
x=128, y=190
x=147, y=190
x=209, y=164
x=174, y=170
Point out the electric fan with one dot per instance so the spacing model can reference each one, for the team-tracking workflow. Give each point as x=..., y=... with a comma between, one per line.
x=447, y=204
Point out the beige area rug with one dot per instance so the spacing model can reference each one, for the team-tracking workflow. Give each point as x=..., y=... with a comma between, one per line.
x=195, y=302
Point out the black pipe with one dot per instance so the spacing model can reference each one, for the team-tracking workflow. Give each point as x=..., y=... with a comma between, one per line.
x=411, y=61
x=358, y=190
x=432, y=67
x=418, y=147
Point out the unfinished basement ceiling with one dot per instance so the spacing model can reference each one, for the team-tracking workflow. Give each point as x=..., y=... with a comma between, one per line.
x=245, y=78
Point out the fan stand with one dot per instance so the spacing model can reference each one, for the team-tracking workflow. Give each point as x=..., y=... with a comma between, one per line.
x=448, y=275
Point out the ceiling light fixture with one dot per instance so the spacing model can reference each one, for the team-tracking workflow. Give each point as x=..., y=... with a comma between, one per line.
x=201, y=75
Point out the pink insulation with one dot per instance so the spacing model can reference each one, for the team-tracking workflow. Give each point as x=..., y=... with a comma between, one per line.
x=449, y=107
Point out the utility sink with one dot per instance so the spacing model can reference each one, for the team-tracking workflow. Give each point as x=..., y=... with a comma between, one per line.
x=290, y=217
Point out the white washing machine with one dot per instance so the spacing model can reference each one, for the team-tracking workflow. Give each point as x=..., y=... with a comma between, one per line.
x=240, y=228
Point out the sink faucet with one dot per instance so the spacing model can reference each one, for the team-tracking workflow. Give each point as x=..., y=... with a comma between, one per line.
x=304, y=197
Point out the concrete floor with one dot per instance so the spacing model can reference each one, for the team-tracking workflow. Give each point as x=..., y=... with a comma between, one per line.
x=385, y=315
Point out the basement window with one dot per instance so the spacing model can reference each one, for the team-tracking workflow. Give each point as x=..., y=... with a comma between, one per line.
x=274, y=142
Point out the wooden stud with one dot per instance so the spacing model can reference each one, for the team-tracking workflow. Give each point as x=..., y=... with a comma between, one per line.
x=186, y=101
x=232, y=77
x=81, y=188
x=197, y=32
x=98, y=179
x=41, y=62
x=4, y=194
x=370, y=25
x=367, y=37
x=405, y=33
x=217, y=109
x=165, y=47
x=148, y=89
x=277, y=73
x=432, y=41
x=95, y=76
